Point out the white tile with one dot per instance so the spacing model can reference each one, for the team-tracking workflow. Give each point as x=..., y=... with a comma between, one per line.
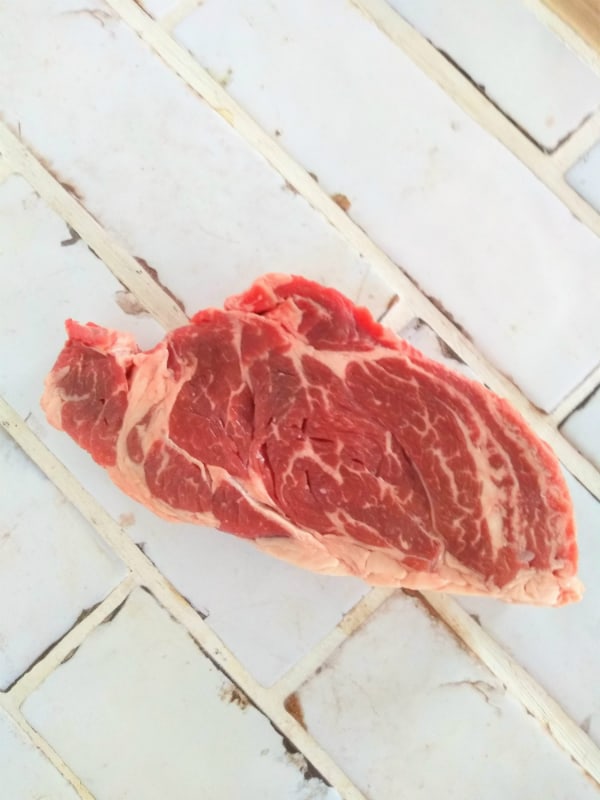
x=26, y=774
x=52, y=564
x=407, y=713
x=583, y=426
x=155, y=165
x=446, y=200
x=160, y=719
x=44, y=281
x=559, y=646
x=584, y=176
x=523, y=66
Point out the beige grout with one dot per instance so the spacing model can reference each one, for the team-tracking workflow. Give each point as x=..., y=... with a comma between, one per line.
x=565, y=32
x=297, y=675
x=578, y=144
x=149, y=576
x=519, y=682
x=120, y=262
x=183, y=63
x=172, y=18
x=576, y=397
x=5, y=170
x=45, y=748
x=474, y=103
x=34, y=676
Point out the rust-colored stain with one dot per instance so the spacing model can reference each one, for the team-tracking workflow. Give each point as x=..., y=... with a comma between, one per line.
x=341, y=200
x=232, y=694
x=448, y=314
x=154, y=275
x=129, y=303
x=294, y=708
x=390, y=304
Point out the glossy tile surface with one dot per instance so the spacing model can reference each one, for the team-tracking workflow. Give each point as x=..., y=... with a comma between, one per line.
x=521, y=65
x=53, y=565
x=159, y=719
x=418, y=708
x=26, y=774
x=452, y=207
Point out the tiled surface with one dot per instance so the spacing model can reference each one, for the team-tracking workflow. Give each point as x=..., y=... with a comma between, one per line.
x=383, y=722
x=423, y=179
x=52, y=564
x=583, y=428
x=193, y=200
x=159, y=719
x=521, y=65
x=392, y=704
x=25, y=772
x=584, y=176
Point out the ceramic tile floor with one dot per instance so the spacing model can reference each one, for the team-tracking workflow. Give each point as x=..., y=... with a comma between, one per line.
x=194, y=665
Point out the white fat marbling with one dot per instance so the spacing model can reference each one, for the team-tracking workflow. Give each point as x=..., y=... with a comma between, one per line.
x=52, y=564
x=584, y=176
x=160, y=720
x=524, y=67
x=559, y=646
x=26, y=774
x=444, y=198
x=155, y=165
x=424, y=719
x=582, y=428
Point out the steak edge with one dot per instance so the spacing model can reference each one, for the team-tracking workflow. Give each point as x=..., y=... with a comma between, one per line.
x=292, y=418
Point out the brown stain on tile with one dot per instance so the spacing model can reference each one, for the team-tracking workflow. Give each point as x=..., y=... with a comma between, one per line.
x=233, y=694
x=129, y=303
x=447, y=351
x=314, y=176
x=394, y=299
x=101, y=17
x=342, y=201
x=155, y=277
x=48, y=166
x=288, y=187
x=294, y=708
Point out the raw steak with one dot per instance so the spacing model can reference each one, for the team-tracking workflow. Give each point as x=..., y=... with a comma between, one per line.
x=293, y=419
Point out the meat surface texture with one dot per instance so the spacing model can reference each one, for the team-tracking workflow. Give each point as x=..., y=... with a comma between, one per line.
x=293, y=419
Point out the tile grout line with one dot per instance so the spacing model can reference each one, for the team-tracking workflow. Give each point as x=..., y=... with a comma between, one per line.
x=5, y=170
x=65, y=647
x=45, y=748
x=566, y=732
x=460, y=89
x=300, y=672
x=577, y=145
x=146, y=573
x=173, y=17
x=565, y=32
x=535, y=699
x=119, y=261
x=188, y=69
x=574, y=399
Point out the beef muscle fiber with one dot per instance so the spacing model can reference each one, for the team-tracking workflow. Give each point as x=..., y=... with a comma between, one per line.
x=293, y=419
